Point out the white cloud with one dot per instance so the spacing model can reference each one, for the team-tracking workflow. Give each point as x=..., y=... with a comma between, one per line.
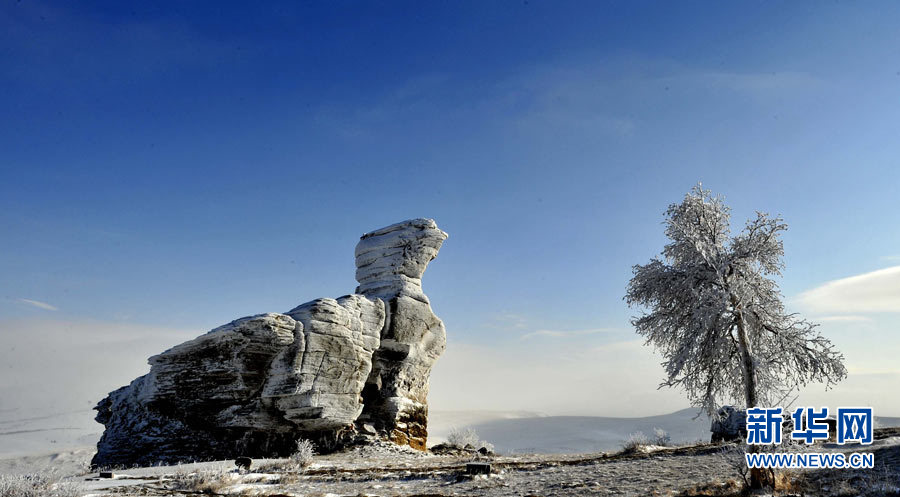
x=877, y=291
x=38, y=304
x=565, y=334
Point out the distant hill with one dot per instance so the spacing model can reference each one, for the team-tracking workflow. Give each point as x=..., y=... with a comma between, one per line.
x=886, y=422
x=573, y=434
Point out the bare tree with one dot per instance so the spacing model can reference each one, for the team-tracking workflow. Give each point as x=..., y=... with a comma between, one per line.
x=716, y=314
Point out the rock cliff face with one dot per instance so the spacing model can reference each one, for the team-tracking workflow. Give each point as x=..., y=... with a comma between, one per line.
x=329, y=370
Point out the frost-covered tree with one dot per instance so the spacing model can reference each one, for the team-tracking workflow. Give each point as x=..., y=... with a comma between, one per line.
x=716, y=314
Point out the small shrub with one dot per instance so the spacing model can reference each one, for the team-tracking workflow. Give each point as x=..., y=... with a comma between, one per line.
x=303, y=455
x=461, y=438
x=661, y=437
x=210, y=481
x=635, y=442
x=733, y=456
x=785, y=480
x=48, y=484
x=486, y=445
x=301, y=458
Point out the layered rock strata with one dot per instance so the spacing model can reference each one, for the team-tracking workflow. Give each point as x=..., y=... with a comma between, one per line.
x=390, y=263
x=320, y=371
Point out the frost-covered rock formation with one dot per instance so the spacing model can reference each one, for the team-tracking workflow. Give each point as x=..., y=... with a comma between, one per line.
x=729, y=424
x=328, y=370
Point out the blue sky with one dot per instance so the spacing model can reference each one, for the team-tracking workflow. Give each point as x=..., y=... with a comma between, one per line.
x=174, y=166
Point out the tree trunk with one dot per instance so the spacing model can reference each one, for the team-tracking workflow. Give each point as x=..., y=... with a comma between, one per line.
x=747, y=362
x=757, y=475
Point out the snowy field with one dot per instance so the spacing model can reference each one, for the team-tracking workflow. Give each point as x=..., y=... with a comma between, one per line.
x=389, y=471
x=537, y=455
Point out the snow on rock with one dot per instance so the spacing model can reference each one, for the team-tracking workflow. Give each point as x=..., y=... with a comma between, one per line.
x=320, y=371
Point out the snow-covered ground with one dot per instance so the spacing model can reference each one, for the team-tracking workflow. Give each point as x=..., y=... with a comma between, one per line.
x=541, y=455
x=372, y=471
